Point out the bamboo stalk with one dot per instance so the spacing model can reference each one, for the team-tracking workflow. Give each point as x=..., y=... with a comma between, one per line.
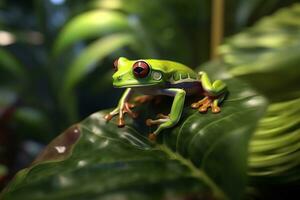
x=217, y=26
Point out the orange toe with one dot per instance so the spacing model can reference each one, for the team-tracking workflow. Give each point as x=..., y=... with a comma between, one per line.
x=121, y=123
x=149, y=122
x=216, y=109
x=152, y=137
x=108, y=117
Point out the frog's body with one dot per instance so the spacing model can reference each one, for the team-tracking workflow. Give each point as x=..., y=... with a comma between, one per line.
x=161, y=77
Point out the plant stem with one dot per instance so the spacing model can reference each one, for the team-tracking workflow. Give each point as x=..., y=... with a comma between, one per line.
x=217, y=26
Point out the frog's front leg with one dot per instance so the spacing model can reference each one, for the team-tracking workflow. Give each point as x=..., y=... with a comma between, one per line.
x=175, y=114
x=214, y=94
x=123, y=107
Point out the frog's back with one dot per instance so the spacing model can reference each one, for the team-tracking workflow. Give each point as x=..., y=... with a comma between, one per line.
x=176, y=72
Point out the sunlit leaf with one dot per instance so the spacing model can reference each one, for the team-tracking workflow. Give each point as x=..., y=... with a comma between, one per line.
x=267, y=55
x=90, y=24
x=274, y=148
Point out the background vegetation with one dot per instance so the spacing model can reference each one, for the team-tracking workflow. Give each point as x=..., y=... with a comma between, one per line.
x=56, y=58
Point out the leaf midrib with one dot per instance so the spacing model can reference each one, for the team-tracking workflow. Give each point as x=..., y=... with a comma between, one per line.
x=196, y=172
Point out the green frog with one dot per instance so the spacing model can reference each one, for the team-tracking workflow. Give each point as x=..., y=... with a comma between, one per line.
x=152, y=77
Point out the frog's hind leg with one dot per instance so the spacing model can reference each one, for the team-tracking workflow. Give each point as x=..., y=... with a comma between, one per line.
x=167, y=121
x=214, y=94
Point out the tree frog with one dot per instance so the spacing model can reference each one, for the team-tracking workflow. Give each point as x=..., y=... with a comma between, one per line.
x=152, y=77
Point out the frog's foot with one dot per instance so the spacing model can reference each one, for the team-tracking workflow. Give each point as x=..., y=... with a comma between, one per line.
x=205, y=103
x=126, y=108
x=161, y=118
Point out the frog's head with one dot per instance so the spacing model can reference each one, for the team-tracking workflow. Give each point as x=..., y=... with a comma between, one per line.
x=137, y=73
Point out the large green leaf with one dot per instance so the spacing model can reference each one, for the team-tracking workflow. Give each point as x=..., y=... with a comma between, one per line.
x=267, y=54
x=204, y=156
x=90, y=24
x=274, y=148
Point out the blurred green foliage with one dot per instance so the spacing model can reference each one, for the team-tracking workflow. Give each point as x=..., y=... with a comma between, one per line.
x=56, y=58
x=267, y=56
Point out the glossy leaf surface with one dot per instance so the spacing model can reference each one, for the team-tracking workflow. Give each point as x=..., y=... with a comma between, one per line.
x=203, y=157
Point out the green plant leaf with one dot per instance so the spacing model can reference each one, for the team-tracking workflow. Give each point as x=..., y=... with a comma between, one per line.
x=267, y=55
x=94, y=53
x=90, y=24
x=157, y=34
x=204, y=156
x=9, y=63
x=274, y=147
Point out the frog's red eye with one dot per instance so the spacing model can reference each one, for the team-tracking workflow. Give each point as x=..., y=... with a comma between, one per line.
x=116, y=64
x=140, y=69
